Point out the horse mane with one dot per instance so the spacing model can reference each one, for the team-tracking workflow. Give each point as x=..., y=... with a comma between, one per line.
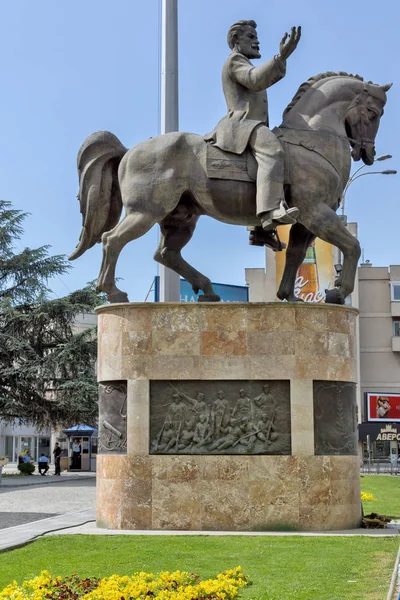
x=310, y=82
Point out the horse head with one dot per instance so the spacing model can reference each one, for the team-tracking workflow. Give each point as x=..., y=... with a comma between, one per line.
x=362, y=120
x=342, y=103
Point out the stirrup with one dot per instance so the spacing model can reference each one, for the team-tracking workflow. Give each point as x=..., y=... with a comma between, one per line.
x=259, y=237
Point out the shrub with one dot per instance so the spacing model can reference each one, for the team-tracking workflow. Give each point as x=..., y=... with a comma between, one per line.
x=26, y=468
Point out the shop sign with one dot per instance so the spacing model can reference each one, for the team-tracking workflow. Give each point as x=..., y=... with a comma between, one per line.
x=383, y=407
x=388, y=434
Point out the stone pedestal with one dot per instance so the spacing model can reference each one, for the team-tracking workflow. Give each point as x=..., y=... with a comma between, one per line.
x=304, y=476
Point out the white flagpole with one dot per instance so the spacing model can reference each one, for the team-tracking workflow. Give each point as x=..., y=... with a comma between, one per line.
x=169, y=280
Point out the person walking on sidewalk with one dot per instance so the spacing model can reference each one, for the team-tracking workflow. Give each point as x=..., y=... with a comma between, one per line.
x=57, y=454
x=43, y=464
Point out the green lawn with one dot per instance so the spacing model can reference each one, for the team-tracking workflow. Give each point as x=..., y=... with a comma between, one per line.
x=281, y=568
x=386, y=490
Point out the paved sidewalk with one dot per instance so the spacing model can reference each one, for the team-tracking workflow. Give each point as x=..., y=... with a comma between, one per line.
x=44, y=498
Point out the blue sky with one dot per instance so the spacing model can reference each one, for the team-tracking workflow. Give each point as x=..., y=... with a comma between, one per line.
x=71, y=68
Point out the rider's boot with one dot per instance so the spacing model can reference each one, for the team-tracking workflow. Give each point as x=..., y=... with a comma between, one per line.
x=283, y=215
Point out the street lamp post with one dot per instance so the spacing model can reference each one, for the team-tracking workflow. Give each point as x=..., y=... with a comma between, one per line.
x=357, y=175
x=169, y=280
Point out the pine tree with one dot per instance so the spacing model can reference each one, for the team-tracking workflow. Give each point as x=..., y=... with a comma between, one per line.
x=46, y=371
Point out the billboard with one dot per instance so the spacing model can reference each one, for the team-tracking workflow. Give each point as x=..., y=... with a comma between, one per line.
x=315, y=275
x=383, y=407
x=227, y=292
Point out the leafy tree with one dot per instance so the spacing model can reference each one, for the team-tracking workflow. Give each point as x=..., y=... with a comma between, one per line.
x=46, y=370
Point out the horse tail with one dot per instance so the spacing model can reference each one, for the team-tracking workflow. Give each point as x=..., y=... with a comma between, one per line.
x=99, y=191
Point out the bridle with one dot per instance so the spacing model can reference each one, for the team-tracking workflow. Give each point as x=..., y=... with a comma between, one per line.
x=361, y=100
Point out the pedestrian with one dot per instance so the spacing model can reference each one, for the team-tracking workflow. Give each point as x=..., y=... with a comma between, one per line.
x=57, y=454
x=27, y=457
x=43, y=464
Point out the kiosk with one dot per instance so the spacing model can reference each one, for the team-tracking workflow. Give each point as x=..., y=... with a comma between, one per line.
x=82, y=448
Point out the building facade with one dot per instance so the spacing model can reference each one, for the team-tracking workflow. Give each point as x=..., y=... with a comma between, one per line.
x=379, y=347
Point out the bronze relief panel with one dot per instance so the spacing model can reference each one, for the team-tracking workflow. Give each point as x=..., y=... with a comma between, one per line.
x=220, y=417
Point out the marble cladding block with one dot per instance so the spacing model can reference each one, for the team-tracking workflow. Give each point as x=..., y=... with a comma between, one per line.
x=226, y=341
x=235, y=493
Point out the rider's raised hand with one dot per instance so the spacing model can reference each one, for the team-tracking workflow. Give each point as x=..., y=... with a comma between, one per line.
x=288, y=46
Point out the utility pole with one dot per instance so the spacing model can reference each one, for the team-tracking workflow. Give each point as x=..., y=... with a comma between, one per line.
x=169, y=280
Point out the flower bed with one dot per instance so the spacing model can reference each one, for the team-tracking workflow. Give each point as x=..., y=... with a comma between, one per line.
x=179, y=585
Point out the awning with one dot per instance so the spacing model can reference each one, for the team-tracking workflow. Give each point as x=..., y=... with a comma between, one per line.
x=81, y=430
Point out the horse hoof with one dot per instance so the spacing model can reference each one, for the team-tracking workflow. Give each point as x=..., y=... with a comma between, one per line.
x=334, y=296
x=118, y=297
x=291, y=298
x=209, y=298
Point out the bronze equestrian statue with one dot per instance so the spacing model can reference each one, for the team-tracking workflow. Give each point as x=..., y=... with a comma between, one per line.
x=243, y=173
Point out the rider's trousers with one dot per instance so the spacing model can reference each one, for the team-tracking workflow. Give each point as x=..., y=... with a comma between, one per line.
x=270, y=174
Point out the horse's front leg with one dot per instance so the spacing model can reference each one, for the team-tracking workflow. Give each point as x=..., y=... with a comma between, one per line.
x=299, y=240
x=325, y=224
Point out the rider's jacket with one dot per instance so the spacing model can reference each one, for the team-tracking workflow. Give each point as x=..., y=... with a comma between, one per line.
x=245, y=93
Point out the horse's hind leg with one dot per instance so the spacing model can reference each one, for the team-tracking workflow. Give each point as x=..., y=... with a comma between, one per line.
x=176, y=231
x=299, y=240
x=132, y=226
x=326, y=224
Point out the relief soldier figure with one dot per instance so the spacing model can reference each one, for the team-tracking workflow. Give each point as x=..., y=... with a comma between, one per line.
x=186, y=438
x=220, y=414
x=266, y=430
x=265, y=402
x=177, y=412
x=244, y=406
x=166, y=437
x=246, y=123
x=202, y=433
x=233, y=433
x=249, y=437
x=197, y=405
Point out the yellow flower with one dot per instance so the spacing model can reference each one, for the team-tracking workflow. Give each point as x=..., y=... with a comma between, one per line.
x=178, y=585
x=367, y=497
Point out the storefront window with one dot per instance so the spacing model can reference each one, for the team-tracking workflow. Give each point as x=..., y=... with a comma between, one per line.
x=44, y=447
x=382, y=449
x=9, y=448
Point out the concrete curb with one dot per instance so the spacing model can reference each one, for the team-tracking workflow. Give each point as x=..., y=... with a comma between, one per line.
x=14, y=537
x=38, y=480
x=394, y=579
x=91, y=529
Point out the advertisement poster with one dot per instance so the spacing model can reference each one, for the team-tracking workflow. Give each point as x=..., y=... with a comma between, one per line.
x=315, y=275
x=383, y=407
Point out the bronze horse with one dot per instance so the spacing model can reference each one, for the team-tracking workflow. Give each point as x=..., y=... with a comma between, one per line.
x=164, y=180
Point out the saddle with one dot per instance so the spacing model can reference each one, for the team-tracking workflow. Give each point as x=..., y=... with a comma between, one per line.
x=221, y=164
x=226, y=165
